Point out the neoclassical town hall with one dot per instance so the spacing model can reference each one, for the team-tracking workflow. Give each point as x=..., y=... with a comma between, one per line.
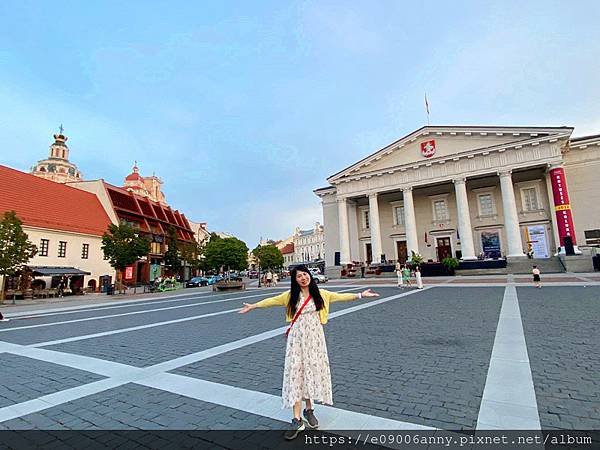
x=471, y=192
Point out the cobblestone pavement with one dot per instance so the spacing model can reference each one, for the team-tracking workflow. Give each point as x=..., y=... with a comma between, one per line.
x=189, y=361
x=563, y=340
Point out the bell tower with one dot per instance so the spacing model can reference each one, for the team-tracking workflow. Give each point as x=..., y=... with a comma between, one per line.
x=57, y=166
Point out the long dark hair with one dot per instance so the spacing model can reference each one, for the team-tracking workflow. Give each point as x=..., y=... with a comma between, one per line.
x=295, y=291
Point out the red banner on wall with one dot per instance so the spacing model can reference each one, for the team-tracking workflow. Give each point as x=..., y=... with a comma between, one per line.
x=562, y=205
x=129, y=272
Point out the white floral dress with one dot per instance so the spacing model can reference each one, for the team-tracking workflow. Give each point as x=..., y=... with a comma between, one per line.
x=306, y=373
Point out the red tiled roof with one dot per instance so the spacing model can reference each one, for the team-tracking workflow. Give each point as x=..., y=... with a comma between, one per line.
x=289, y=248
x=46, y=204
x=126, y=202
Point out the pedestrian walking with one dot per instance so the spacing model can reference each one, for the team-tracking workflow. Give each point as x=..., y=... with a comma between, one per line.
x=399, y=268
x=406, y=276
x=275, y=279
x=306, y=374
x=536, y=277
x=362, y=269
x=269, y=278
x=418, y=277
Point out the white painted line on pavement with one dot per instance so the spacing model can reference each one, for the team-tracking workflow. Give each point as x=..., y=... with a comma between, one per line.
x=135, y=328
x=509, y=401
x=55, y=399
x=268, y=405
x=138, y=327
x=122, y=304
x=131, y=313
x=234, y=345
x=127, y=330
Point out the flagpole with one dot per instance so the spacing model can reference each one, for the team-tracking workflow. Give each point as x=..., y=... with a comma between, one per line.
x=427, y=108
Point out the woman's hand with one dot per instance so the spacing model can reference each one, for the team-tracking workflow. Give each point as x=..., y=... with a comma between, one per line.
x=247, y=307
x=369, y=293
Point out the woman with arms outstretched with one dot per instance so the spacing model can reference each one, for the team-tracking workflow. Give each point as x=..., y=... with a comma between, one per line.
x=306, y=374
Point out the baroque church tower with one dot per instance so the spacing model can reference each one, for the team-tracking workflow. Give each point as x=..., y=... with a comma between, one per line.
x=57, y=167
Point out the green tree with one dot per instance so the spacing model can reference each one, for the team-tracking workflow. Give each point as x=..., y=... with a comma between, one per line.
x=15, y=248
x=190, y=253
x=269, y=256
x=173, y=259
x=229, y=253
x=123, y=246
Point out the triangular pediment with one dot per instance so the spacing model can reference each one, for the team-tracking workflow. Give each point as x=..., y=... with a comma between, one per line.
x=442, y=142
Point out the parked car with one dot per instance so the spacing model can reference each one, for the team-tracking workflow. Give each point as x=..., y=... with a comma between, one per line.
x=214, y=278
x=196, y=282
x=320, y=278
x=253, y=274
x=314, y=271
x=234, y=277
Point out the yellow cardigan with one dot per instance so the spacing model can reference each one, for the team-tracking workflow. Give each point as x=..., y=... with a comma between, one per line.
x=328, y=297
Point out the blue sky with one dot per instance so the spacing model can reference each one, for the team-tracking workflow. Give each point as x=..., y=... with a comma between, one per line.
x=243, y=108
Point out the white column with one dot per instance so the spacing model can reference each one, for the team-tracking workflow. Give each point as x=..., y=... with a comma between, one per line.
x=344, y=233
x=375, y=228
x=353, y=228
x=410, y=223
x=464, y=219
x=511, y=218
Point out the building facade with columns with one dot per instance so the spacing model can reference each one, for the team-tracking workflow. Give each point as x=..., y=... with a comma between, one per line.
x=466, y=191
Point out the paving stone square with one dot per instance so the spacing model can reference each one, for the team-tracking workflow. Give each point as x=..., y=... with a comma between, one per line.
x=26, y=379
x=407, y=359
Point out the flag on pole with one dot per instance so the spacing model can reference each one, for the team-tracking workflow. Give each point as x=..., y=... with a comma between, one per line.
x=426, y=105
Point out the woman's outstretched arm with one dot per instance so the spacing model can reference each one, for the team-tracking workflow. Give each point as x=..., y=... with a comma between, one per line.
x=344, y=297
x=278, y=300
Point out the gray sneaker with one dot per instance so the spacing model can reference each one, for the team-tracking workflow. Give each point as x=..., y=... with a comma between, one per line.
x=309, y=415
x=295, y=428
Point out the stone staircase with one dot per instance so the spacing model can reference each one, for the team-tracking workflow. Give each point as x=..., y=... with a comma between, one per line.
x=520, y=266
x=550, y=265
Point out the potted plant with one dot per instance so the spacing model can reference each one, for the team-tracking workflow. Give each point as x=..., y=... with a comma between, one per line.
x=451, y=264
x=415, y=259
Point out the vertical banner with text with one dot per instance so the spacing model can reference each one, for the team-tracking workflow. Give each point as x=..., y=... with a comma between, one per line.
x=562, y=205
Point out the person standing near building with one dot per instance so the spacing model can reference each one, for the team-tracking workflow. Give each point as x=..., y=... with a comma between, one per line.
x=306, y=374
x=399, y=268
x=418, y=277
x=406, y=276
x=536, y=277
x=362, y=269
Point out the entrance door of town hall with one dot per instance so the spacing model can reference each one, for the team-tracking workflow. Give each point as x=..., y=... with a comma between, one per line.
x=444, y=249
x=369, y=253
x=402, y=252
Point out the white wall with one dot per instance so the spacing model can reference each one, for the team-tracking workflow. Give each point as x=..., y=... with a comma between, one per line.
x=94, y=264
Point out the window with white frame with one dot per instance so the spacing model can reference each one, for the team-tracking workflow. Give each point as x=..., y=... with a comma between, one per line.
x=366, y=219
x=440, y=210
x=530, y=199
x=486, y=204
x=398, y=215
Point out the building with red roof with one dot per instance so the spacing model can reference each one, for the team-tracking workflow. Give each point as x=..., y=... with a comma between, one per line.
x=66, y=224
x=151, y=218
x=288, y=254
